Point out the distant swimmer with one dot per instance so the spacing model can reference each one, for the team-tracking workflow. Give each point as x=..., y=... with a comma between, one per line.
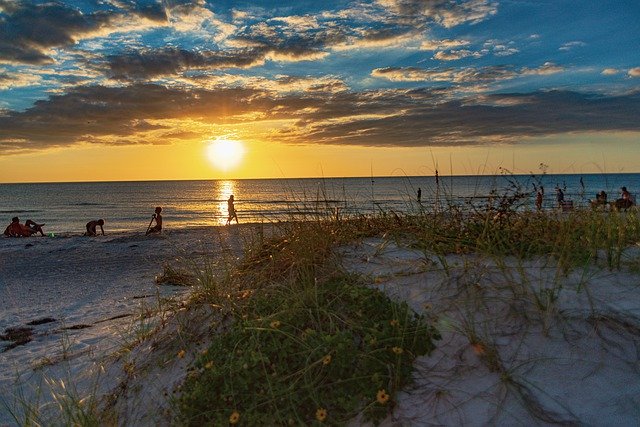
x=232, y=210
x=157, y=217
x=15, y=229
x=92, y=226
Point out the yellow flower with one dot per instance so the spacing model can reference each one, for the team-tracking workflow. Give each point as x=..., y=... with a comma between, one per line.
x=382, y=397
x=209, y=365
x=275, y=324
x=234, y=418
x=181, y=354
x=321, y=414
x=326, y=360
x=394, y=322
x=397, y=350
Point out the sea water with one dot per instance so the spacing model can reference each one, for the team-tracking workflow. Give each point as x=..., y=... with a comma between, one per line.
x=128, y=206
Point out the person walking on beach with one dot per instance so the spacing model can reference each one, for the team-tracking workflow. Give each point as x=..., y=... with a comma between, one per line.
x=91, y=227
x=232, y=211
x=15, y=229
x=419, y=194
x=157, y=217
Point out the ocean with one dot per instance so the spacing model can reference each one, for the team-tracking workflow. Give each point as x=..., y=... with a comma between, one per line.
x=127, y=206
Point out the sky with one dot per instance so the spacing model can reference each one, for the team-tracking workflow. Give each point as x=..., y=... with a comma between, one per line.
x=108, y=90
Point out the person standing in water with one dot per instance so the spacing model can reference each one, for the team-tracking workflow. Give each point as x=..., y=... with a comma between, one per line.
x=157, y=217
x=232, y=210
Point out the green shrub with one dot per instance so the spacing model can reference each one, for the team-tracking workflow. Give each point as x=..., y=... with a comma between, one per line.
x=305, y=354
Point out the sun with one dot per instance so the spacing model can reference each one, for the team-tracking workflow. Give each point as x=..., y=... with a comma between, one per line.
x=225, y=154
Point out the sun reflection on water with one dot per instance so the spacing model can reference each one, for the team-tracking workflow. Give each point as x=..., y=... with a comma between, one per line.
x=222, y=192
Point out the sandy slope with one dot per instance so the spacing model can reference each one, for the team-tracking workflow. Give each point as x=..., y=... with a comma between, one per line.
x=88, y=295
x=523, y=343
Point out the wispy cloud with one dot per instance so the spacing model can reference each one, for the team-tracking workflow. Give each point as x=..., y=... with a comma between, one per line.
x=572, y=45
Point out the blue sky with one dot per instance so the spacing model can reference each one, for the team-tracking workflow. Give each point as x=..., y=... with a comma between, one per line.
x=377, y=73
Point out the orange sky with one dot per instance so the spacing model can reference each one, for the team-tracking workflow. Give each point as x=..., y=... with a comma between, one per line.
x=574, y=154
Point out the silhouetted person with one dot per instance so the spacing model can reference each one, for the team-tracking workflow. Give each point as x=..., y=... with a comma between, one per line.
x=232, y=210
x=539, y=198
x=626, y=200
x=419, y=194
x=559, y=196
x=157, y=217
x=92, y=226
x=15, y=229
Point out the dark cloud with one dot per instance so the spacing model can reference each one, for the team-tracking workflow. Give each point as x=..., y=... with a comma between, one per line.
x=448, y=13
x=28, y=29
x=419, y=117
x=161, y=62
x=416, y=118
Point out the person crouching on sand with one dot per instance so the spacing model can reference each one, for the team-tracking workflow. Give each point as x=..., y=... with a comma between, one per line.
x=91, y=227
x=232, y=210
x=15, y=229
x=157, y=217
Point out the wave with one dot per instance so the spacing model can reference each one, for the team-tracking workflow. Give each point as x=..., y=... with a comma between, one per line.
x=12, y=211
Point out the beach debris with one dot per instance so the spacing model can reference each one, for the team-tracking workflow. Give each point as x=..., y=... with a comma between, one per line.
x=76, y=327
x=18, y=336
x=41, y=321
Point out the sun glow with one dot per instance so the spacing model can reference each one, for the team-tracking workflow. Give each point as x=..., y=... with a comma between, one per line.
x=225, y=154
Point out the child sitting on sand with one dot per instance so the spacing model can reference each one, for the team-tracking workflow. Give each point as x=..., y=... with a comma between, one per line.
x=15, y=229
x=158, y=219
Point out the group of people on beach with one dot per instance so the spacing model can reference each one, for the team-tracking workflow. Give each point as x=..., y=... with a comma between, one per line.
x=625, y=201
x=30, y=227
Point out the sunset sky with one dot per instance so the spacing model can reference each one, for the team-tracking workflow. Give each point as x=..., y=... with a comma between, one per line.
x=178, y=89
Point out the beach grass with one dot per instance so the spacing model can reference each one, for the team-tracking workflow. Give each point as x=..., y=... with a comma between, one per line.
x=296, y=339
x=307, y=343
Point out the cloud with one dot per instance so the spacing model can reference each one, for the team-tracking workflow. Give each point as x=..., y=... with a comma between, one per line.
x=170, y=61
x=634, y=72
x=10, y=80
x=454, y=55
x=545, y=69
x=442, y=44
x=610, y=71
x=572, y=45
x=28, y=31
x=445, y=13
x=454, y=75
x=378, y=38
x=147, y=113
x=423, y=118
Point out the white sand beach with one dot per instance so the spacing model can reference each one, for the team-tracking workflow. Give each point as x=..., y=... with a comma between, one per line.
x=77, y=299
x=522, y=342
